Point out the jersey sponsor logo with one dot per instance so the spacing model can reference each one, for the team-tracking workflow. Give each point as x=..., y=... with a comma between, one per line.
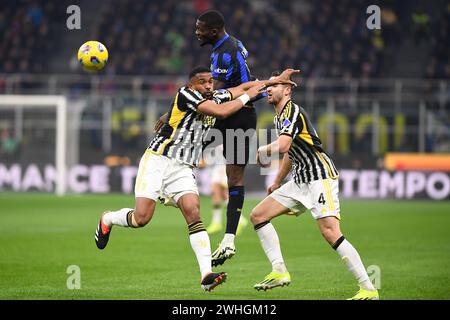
x=218, y=70
x=286, y=123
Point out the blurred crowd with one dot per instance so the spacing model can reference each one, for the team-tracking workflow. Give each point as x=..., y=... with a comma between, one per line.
x=439, y=37
x=28, y=40
x=326, y=38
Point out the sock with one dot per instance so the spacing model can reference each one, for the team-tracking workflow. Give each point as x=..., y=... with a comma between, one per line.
x=353, y=262
x=234, y=208
x=202, y=248
x=217, y=214
x=117, y=218
x=271, y=245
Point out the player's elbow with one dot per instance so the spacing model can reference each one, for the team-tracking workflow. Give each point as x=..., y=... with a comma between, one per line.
x=284, y=147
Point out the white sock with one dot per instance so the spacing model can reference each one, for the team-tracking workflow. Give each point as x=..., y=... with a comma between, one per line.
x=217, y=215
x=353, y=262
x=202, y=249
x=271, y=245
x=117, y=218
x=228, y=238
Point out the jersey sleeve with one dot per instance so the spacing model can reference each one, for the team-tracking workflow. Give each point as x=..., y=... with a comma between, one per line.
x=291, y=122
x=222, y=96
x=222, y=67
x=189, y=99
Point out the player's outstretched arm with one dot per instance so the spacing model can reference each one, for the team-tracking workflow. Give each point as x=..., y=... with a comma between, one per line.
x=283, y=78
x=224, y=110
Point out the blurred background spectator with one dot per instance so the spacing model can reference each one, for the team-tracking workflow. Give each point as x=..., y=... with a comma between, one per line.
x=326, y=38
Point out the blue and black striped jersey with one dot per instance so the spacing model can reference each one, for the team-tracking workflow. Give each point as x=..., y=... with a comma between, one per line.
x=228, y=62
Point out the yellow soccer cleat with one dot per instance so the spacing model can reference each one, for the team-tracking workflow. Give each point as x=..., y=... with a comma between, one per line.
x=272, y=280
x=363, y=294
x=214, y=228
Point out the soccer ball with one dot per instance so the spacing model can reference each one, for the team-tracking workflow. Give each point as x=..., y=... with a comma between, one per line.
x=93, y=55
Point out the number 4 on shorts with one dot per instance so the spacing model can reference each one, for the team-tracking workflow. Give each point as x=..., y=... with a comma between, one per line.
x=321, y=199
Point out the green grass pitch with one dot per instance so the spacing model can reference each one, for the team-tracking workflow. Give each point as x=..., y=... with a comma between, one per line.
x=41, y=235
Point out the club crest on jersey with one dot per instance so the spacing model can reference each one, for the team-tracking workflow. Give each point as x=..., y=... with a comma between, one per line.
x=286, y=123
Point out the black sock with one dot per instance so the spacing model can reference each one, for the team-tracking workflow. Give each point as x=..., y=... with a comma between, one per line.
x=235, y=203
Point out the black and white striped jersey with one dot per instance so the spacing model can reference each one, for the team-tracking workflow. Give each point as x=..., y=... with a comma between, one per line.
x=182, y=136
x=309, y=161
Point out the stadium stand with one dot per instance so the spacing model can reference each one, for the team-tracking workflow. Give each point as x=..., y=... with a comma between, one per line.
x=156, y=37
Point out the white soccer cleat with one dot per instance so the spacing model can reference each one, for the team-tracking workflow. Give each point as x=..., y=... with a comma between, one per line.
x=222, y=253
x=167, y=201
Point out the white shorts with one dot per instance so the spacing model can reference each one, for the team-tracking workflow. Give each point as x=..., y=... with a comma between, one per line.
x=160, y=176
x=320, y=196
x=219, y=175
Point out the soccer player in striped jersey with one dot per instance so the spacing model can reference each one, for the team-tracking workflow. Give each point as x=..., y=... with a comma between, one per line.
x=314, y=187
x=165, y=170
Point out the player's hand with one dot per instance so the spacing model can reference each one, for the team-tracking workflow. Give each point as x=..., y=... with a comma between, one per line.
x=261, y=158
x=256, y=90
x=202, y=164
x=285, y=76
x=277, y=80
x=160, y=122
x=273, y=187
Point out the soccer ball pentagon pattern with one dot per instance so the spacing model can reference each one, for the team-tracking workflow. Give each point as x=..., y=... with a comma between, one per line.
x=93, y=55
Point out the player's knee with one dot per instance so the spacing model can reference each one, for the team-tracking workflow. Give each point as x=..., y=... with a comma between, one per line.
x=330, y=233
x=192, y=213
x=235, y=181
x=142, y=218
x=257, y=216
x=235, y=175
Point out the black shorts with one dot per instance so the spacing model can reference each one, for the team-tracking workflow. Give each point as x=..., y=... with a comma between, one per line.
x=238, y=131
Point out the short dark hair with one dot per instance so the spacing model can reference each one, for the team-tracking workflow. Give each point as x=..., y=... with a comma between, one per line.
x=212, y=19
x=197, y=70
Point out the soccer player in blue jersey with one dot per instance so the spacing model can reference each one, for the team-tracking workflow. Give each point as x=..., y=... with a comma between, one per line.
x=229, y=69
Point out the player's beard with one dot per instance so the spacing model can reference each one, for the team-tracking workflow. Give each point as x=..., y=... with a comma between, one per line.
x=208, y=95
x=204, y=42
